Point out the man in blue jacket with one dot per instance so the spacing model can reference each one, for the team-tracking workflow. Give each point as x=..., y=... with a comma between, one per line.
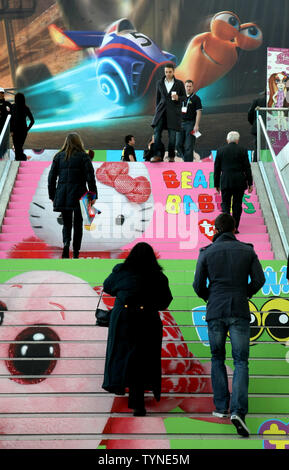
x=222, y=280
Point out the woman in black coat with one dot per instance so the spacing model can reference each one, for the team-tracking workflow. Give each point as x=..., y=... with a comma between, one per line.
x=70, y=171
x=18, y=125
x=133, y=355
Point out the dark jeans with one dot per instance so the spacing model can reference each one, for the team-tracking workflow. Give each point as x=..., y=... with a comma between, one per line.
x=237, y=195
x=185, y=141
x=158, y=129
x=72, y=217
x=239, y=329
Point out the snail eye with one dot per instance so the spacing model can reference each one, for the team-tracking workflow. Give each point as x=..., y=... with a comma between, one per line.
x=251, y=31
x=276, y=319
x=33, y=354
x=229, y=18
x=250, y=37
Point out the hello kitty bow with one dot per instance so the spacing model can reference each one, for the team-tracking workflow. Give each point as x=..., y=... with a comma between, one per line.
x=115, y=174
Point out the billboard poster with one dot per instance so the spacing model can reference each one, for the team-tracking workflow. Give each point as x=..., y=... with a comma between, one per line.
x=93, y=68
x=278, y=97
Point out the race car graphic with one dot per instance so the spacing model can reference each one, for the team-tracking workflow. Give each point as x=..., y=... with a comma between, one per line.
x=126, y=61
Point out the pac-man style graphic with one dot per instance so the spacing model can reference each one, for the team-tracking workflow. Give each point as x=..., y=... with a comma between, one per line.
x=199, y=320
x=273, y=317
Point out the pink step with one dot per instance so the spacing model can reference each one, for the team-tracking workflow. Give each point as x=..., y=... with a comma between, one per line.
x=15, y=237
x=26, y=230
x=252, y=228
x=29, y=192
x=14, y=213
x=24, y=206
x=23, y=220
x=252, y=238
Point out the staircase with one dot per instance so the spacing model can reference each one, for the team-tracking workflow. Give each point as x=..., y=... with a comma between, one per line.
x=60, y=403
x=19, y=240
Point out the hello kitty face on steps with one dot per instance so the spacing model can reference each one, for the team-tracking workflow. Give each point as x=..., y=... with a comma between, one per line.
x=124, y=200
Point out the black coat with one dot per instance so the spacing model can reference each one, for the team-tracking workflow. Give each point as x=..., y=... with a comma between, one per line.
x=133, y=354
x=67, y=180
x=232, y=169
x=18, y=123
x=227, y=263
x=165, y=104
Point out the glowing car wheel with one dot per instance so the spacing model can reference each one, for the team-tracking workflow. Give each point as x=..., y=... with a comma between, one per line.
x=113, y=83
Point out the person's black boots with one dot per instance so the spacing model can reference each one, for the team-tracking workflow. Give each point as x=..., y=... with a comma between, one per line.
x=65, y=251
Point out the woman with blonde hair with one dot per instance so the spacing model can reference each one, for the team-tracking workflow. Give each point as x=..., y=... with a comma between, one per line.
x=70, y=173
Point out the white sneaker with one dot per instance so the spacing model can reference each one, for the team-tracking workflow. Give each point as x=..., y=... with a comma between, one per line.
x=240, y=425
x=217, y=414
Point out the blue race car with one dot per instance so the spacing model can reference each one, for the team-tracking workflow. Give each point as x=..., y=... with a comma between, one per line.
x=127, y=62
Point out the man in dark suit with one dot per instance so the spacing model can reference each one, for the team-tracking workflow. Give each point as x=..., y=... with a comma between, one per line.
x=168, y=115
x=227, y=264
x=232, y=174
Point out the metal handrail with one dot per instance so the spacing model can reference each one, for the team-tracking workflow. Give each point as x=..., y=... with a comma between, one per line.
x=4, y=128
x=260, y=122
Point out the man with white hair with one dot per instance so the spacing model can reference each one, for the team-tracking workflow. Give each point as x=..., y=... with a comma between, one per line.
x=232, y=175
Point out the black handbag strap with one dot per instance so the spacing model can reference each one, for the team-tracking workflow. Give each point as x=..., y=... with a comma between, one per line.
x=100, y=297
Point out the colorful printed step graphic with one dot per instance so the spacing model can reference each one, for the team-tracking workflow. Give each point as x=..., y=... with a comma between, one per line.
x=171, y=206
x=52, y=362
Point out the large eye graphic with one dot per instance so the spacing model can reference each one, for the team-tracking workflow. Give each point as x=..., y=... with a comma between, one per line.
x=276, y=319
x=256, y=328
x=250, y=36
x=119, y=220
x=3, y=309
x=34, y=354
x=229, y=18
x=251, y=31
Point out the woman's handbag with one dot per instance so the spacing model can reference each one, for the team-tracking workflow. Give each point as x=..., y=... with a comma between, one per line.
x=102, y=316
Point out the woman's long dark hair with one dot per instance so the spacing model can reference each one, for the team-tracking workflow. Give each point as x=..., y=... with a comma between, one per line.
x=72, y=143
x=142, y=259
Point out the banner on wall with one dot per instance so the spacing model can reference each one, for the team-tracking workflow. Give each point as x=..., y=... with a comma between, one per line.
x=110, y=56
x=278, y=97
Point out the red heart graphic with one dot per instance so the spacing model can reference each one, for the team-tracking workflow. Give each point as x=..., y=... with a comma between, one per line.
x=109, y=171
x=136, y=190
x=207, y=228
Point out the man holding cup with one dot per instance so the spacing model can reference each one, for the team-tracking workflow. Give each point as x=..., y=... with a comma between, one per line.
x=168, y=115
